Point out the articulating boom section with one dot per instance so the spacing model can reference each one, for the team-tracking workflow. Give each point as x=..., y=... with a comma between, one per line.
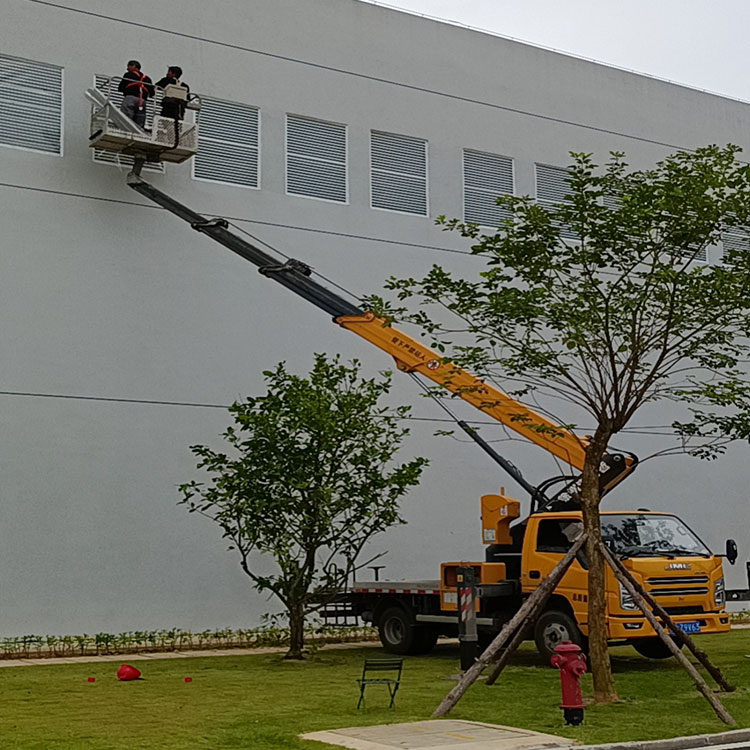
x=413, y=357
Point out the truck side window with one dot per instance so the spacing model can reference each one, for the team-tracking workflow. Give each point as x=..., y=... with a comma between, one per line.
x=557, y=535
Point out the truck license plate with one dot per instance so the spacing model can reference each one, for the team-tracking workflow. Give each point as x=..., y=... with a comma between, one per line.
x=689, y=627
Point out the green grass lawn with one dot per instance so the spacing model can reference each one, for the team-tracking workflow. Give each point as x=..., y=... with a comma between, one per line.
x=259, y=702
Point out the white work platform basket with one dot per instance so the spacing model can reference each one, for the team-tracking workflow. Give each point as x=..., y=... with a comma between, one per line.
x=162, y=139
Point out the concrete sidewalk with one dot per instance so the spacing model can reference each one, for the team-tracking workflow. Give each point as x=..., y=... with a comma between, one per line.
x=449, y=734
x=440, y=734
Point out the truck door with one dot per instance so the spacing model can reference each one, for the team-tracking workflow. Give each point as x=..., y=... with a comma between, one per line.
x=545, y=549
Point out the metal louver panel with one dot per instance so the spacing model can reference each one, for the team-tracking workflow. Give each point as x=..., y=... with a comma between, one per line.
x=693, y=251
x=124, y=160
x=30, y=105
x=316, y=159
x=736, y=238
x=552, y=188
x=398, y=178
x=486, y=176
x=551, y=183
x=229, y=138
x=108, y=86
x=701, y=254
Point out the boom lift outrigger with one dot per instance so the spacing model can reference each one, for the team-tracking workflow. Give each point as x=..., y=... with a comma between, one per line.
x=413, y=357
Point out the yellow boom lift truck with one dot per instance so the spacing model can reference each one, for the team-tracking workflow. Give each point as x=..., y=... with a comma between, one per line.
x=660, y=551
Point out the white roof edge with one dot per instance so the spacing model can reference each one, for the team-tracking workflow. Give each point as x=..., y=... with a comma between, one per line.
x=489, y=32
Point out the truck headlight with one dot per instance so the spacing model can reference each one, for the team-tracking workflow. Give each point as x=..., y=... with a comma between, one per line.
x=626, y=601
x=719, y=594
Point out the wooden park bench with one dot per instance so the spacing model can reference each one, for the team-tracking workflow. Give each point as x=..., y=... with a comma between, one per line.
x=374, y=672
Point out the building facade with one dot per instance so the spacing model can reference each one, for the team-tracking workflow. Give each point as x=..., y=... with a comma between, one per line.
x=336, y=132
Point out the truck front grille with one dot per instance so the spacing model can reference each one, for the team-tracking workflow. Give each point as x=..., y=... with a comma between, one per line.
x=679, y=592
x=678, y=580
x=684, y=610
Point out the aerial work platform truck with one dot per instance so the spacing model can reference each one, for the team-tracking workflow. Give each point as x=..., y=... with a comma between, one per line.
x=659, y=550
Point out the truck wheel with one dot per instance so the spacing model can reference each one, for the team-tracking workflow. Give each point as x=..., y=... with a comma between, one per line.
x=653, y=648
x=399, y=635
x=552, y=628
x=485, y=639
x=425, y=639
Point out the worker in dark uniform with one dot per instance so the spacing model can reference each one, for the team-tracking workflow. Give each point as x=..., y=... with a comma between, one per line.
x=136, y=88
x=173, y=108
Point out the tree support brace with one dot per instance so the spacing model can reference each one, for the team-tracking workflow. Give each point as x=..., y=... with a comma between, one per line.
x=632, y=586
x=516, y=624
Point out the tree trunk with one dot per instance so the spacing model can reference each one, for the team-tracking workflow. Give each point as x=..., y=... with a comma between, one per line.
x=296, y=615
x=601, y=669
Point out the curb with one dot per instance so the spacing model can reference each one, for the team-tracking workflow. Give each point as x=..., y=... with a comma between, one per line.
x=678, y=743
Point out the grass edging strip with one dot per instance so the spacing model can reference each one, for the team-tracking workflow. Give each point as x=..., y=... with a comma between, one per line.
x=679, y=743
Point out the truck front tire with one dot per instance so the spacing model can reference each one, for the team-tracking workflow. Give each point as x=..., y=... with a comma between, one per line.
x=653, y=648
x=552, y=628
x=399, y=634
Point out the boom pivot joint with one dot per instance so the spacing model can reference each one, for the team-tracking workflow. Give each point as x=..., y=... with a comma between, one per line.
x=292, y=264
x=201, y=226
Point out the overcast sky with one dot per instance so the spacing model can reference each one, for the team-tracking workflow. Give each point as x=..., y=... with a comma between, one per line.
x=701, y=43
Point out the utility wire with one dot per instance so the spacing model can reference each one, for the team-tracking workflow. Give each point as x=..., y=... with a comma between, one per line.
x=379, y=240
x=160, y=402
x=331, y=282
x=111, y=399
x=362, y=76
x=640, y=430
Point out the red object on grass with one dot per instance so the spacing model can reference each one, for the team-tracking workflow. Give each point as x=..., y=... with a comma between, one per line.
x=188, y=679
x=127, y=673
x=90, y=679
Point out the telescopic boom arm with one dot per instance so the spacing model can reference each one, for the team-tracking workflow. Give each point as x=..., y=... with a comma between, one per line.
x=411, y=356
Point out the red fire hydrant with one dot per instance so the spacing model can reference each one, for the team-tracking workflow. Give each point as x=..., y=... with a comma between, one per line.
x=572, y=664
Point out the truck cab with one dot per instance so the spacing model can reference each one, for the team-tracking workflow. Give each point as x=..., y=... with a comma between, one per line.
x=664, y=555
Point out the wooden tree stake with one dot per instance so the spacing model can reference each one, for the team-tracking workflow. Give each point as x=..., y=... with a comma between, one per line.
x=700, y=684
x=515, y=625
x=678, y=635
x=518, y=636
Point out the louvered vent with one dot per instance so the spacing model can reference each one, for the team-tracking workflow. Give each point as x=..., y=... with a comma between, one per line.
x=398, y=178
x=551, y=190
x=30, y=105
x=736, y=238
x=486, y=176
x=693, y=251
x=108, y=86
x=701, y=255
x=611, y=202
x=316, y=159
x=229, y=137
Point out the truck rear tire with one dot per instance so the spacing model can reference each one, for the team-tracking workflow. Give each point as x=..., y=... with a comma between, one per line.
x=399, y=634
x=552, y=628
x=653, y=648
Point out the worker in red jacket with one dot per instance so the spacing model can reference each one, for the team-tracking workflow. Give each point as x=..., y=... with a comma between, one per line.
x=136, y=88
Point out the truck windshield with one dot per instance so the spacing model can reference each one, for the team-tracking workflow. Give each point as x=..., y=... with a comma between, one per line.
x=633, y=535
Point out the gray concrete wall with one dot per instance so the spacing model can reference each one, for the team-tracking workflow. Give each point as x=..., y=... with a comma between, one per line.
x=104, y=296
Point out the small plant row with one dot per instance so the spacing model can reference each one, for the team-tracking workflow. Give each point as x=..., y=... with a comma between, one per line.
x=740, y=618
x=175, y=639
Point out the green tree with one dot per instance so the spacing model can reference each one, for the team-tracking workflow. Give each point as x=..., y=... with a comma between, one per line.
x=309, y=480
x=601, y=301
